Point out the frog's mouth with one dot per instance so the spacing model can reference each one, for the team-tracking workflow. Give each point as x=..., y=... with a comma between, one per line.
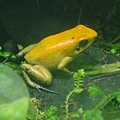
x=84, y=44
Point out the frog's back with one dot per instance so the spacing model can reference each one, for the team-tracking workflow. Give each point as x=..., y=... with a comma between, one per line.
x=51, y=50
x=48, y=54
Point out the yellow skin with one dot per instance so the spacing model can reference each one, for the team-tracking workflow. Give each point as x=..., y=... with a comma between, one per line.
x=55, y=52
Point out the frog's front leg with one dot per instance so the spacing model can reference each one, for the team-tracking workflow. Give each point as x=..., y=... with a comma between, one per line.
x=63, y=63
x=39, y=73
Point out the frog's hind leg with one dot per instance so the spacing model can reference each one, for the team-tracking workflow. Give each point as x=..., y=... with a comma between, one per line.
x=39, y=74
x=24, y=51
x=33, y=84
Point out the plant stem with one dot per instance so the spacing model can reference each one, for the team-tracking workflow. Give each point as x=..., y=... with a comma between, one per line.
x=102, y=69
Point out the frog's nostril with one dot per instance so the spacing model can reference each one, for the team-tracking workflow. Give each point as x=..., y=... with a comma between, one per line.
x=73, y=37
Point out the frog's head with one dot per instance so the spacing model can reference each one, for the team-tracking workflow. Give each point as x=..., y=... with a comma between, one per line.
x=85, y=37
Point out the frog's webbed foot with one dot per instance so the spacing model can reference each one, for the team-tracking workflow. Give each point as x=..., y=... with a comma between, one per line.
x=35, y=85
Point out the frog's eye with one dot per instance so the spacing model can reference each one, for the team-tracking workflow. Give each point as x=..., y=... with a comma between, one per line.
x=82, y=44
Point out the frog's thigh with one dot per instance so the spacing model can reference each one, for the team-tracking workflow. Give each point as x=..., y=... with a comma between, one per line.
x=45, y=72
x=38, y=72
x=63, y=63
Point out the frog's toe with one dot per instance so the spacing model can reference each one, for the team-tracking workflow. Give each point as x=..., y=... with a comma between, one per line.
x=38, y=87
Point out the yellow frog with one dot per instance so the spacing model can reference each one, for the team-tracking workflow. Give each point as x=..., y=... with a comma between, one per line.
x=54, y=52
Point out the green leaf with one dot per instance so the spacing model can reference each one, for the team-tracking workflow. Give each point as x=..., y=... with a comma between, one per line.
x=118, y=95
x=1, y=54
x=75, y=115
x=12, y=87
x=50, y=113
x=113, y=51
x=16, y=110
x=93, y=115
x=6, y=54
x=0, y=48
x=78, y=90
x=95, y=90
x=14, y=96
